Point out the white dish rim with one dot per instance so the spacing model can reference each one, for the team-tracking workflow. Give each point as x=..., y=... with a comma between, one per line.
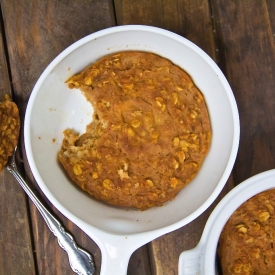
x=93, y=232
x=203, y=257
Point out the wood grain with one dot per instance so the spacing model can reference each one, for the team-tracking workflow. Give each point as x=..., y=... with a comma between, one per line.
x=37, y=32
x=165, y=250
x=246, y=46
x=15, y=236
x=192, y=20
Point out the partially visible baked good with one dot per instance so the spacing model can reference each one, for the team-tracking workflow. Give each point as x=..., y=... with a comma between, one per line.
x=247, y=242
x=149, y=135
x=9, y=129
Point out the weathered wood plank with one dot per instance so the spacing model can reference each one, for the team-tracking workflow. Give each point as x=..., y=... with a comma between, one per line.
x=15, y=242
x=15, y=237
x=5, y=85
x=37, y=32
x=192, y=20
x=270, y=6
x=246, y=46
x=165, y=250
x=139, y=263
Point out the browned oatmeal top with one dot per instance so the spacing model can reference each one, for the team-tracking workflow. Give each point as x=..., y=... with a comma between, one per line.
x=149, y=135
x=247, y=241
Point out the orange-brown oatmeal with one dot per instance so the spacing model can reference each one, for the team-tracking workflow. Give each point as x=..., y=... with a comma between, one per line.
x=149, y=135
x=9, y=129
x=247, y=245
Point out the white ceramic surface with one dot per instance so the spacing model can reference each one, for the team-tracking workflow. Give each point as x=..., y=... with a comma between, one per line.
x=53, y=107
x=202, y=259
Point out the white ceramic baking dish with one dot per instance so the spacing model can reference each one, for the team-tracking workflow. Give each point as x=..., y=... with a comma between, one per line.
x=53, y=107
x=202, y=259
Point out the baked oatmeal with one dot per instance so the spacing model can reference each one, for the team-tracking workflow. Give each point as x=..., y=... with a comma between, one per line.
x=149, y=135
x=247, y=242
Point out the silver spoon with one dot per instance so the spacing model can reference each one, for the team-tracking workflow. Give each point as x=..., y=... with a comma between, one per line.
x=80, y=261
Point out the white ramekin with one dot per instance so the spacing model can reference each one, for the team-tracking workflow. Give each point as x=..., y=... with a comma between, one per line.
x=202, y=259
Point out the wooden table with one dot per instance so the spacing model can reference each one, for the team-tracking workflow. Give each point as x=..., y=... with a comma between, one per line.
x=238, y=35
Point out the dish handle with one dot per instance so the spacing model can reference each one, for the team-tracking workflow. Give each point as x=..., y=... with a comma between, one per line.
x=115, y=263
x=190, y=261
x=116, y=252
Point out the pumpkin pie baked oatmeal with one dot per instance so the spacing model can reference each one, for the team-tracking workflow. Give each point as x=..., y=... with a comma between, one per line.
x=247, y=245
x=149, y=135
x=9, y=129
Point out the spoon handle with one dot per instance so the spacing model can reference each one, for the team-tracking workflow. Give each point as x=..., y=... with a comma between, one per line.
x=80, y=261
